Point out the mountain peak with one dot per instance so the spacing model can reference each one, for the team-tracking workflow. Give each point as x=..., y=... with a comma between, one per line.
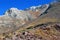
x=34, y=7
x=15, y=9
x=14, y=12
x=39, y=7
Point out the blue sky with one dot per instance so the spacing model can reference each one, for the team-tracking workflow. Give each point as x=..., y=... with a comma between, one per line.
x=20, y=4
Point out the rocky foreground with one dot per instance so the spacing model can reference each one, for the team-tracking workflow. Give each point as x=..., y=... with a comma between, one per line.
x=50, y=31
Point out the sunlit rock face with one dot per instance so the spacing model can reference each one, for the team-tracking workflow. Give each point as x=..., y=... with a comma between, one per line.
x=14, y=18
x=19, y=14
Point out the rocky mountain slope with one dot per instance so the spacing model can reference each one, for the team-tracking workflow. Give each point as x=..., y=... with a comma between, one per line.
x=35, y=23
x=15, y=18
